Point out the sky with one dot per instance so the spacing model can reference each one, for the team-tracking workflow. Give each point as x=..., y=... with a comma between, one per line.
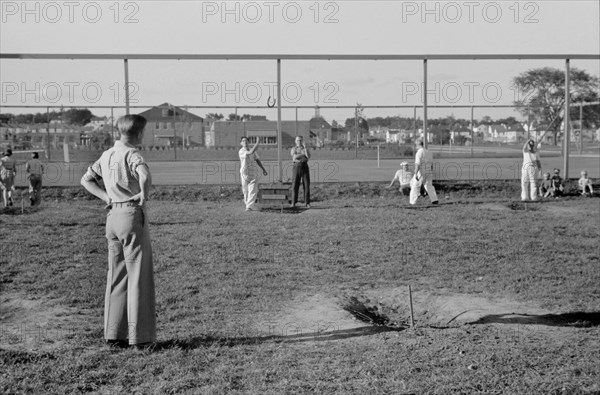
x=287, y=27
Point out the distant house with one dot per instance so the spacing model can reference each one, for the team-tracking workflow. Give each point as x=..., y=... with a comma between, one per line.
x=439, y=134
x=481, y=132
x=392, y=135
x=167, y=123
x=496, y=133
x=27, y=136
x=506, y=134
x=339, y=134
x=320, y=130
x=98, y=123
x=515, y=133
x=378, y=133
x=460, y=136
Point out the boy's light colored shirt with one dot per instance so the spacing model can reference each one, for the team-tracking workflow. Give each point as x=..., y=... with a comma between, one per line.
x=117, y=167
x=34, y=166
x=403, y=176
x=247, y=163
x=8, y=163
x=424, y=158
x=299, y=151
x=584, y=182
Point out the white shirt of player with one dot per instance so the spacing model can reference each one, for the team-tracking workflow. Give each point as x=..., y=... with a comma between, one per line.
x=424, y=158
x=403, y=176
x=248, y=166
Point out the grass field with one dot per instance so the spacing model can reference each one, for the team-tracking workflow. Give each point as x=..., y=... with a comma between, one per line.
x=506, y=295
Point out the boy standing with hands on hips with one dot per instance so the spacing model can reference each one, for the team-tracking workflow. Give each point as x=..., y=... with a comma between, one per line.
x=129, y=310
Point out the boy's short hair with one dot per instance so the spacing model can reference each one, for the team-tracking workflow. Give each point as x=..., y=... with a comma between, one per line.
x=131, y=125
x=546, y=174
x=35, y=155
x=8, y=152
x=244, y=137
x=403, y=164
x=556, y=170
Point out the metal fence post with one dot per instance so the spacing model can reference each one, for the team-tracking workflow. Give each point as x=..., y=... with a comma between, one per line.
x=567, y=118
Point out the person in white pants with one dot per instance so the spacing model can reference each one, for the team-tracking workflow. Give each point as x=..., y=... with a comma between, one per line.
x=529, y=170
x=423, y=174
x=248, y=172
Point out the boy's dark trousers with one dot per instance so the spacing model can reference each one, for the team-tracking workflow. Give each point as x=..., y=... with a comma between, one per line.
x=300, y=172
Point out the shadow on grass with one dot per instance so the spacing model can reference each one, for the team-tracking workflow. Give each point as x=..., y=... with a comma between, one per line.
x=425, y=206
x=575, y=319
x=12, y=357
x=207, y=341
x=166, y=223
x=16, y=210
x=285, y=210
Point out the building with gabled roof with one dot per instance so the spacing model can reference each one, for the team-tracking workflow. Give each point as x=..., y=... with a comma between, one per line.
x=167, y=121
x=506, y=134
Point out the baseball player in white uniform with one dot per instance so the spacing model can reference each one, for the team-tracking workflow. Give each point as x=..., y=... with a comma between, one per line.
x=423, y=175
x=248, y=172
x=531, y=166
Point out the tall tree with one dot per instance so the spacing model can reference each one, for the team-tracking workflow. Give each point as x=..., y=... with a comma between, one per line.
x=213, y=116
x=76, y=116
x=544, y=90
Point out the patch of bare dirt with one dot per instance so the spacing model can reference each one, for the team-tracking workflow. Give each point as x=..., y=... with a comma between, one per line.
x=34, y=324
x=313, y=317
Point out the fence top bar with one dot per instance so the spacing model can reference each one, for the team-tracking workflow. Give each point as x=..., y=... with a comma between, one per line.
x=298, y=56
x=286, y=107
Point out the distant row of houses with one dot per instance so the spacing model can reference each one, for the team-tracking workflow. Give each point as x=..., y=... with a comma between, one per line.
x=500, y=133
x=169, y=125
x=53, y=134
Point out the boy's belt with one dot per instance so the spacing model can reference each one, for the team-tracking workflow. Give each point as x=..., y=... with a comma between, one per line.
x=124, y=204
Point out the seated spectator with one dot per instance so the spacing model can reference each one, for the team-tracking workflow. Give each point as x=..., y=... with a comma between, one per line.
x=585, y=185
x=546, y=188
x=403, y=176
x=557, y=183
